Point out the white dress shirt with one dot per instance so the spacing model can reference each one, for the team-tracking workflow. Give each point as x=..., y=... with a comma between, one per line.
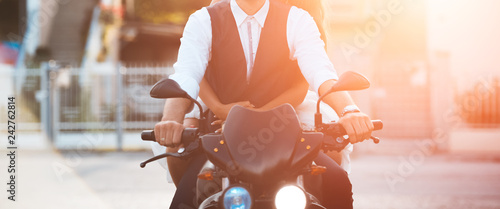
x=304, y=43
x=303, y=39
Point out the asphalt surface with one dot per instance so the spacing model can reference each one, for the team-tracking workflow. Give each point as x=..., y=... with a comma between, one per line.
x=48, y=179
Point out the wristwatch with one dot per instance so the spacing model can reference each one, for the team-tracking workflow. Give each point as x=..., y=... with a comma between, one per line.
x=350, y=109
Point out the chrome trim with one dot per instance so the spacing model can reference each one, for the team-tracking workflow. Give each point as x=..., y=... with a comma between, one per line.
x=300, y=181
x=225, y=183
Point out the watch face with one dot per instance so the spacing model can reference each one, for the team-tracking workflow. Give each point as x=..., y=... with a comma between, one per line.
x=351, y=108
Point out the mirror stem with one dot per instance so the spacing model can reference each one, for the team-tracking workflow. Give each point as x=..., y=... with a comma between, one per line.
x=318, y=117
x=199, y=107
x=318, y=120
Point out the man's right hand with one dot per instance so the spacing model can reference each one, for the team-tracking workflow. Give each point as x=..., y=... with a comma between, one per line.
x=169, y=133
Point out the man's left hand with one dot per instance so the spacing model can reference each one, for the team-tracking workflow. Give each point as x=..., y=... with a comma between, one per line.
x=358, y=126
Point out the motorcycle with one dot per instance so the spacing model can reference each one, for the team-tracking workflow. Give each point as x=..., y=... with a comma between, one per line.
x=261, y=159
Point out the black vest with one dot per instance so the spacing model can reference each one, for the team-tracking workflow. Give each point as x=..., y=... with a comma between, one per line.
x=273, y=71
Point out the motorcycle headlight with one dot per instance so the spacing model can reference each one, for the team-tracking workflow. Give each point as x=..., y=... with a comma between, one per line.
x=237, y=198
x=290, y=197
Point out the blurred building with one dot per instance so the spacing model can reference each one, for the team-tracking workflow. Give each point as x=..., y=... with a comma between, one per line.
x=463, y=47
x=385, y=40
x=152, y=29
x=432, y=64
x=10, y=26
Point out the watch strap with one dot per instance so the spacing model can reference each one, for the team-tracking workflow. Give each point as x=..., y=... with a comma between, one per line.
x=349, y=109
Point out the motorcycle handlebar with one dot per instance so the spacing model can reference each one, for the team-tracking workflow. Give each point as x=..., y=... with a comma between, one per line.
x=377, y=125
x=188, y=135
x=336, y=129
x=191, y=134
x=148, y=135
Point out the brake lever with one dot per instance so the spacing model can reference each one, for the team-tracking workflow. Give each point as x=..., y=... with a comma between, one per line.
x=342, y=141
x=335, y=144
x=192, y=147
x=375, y=139
x=181, y=154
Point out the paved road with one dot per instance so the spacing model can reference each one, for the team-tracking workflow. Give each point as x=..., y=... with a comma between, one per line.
x=114, y=180
x=434, y=182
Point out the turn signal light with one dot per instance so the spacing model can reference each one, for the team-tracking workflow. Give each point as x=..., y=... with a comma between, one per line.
x=316, y=169
x=206, y=175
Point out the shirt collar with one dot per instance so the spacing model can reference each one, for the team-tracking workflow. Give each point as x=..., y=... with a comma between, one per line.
x=240, y=15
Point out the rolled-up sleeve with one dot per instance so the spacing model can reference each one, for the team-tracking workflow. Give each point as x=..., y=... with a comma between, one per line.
x=194, y=52
x=306, y=46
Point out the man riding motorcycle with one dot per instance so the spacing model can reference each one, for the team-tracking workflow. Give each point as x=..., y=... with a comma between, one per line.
x=290, y=47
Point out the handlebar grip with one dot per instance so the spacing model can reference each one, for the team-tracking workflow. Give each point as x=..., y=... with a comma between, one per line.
x=188, y=135
x=148, y=135
x=377, y=125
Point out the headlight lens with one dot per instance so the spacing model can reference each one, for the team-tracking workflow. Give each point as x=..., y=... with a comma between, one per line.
x=237, y=198
x=290, y=197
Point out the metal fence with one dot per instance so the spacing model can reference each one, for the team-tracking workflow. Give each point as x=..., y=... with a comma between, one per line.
x=62, y=99
x=480, y=105
x=140, y=111
x=27, y=101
